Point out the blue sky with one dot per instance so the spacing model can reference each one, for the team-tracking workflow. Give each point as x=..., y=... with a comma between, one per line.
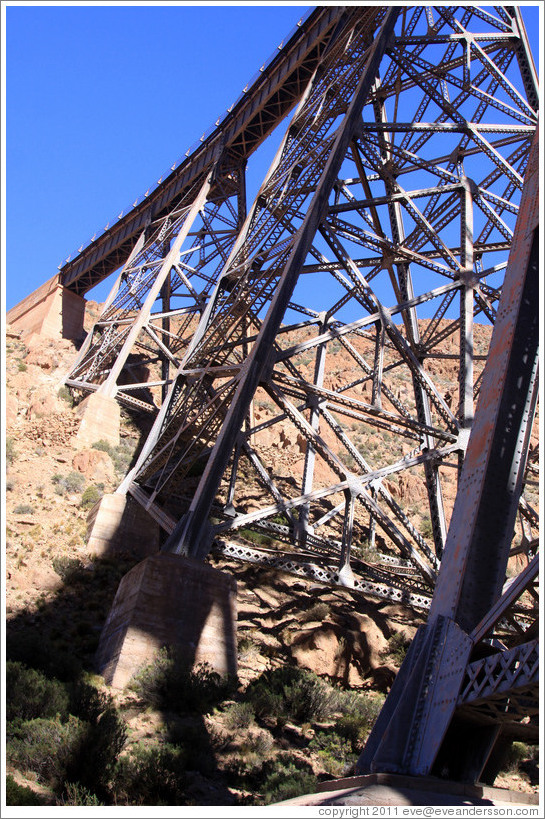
x=101, y=100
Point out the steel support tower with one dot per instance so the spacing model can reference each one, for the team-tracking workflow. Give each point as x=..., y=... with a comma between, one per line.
x=382, y=231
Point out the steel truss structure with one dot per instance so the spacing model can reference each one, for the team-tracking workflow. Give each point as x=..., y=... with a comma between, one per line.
x=131, y=334
x=470, y=681
x=382, y=231
x=371, y=215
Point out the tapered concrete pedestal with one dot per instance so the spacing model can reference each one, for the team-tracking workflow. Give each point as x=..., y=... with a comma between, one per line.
x=100, y=420
x=51, y=310
x=118, y=525
x=174, y=601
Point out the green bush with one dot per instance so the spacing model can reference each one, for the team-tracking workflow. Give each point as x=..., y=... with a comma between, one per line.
x=398, y=645
x=517, y=753
x=168, y=683
x=247, y=646
x=86, y=701
x=291, y=693
x=24, y=509
x=198, y=743
x=238, y=716
x=95, y=757
x=38, y=651
x=426, y=528
x=90, y=496
x=261, y=743
x=334, y=751
x=103, y=446
x=45, y=746
x=121, y=455
x=152, y=774
x=285, y=777
x=65, y=395
x=81, y=747
x=268, y=704
x=259, y=538
x=29, y=694
x=20, y=795
x=281, y=777
x=22, y=367
x=360, y=714
x=353, y=729
x=68, y=484
x=76, y=794
x=319, y=611
x=364, y=551
x=68, y=568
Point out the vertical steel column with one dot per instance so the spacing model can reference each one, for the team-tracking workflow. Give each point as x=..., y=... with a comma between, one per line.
x=346, y=575
x=229, y=507
x=310, y=454
x=466, y=306
x=404, y=286
x=165, y=324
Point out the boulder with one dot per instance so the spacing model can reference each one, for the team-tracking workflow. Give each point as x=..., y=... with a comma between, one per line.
x=349, y=655
x=41, y=358
x=96, y=465
x=43, y=403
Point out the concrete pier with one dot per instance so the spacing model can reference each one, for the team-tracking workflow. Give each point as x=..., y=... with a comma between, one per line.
x=51, y=311
x=100, y=420
x=169, y=600
x=118, y=525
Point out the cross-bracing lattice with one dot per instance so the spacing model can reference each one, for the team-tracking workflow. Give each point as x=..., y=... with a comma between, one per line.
x=160, y=294
x=327, y=394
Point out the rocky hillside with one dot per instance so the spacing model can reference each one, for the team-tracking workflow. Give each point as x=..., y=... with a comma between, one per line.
x=314, y=662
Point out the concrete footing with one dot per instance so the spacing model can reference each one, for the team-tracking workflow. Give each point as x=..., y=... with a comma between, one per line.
x=118, y=525
x=51, y=310
x=395, y=789
x=100, y=420
x=169, y=600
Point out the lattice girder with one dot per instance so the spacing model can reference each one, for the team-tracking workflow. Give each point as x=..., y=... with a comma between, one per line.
x=502, y=675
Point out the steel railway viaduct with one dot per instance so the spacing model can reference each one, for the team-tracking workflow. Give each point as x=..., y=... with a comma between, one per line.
x=400, y=211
